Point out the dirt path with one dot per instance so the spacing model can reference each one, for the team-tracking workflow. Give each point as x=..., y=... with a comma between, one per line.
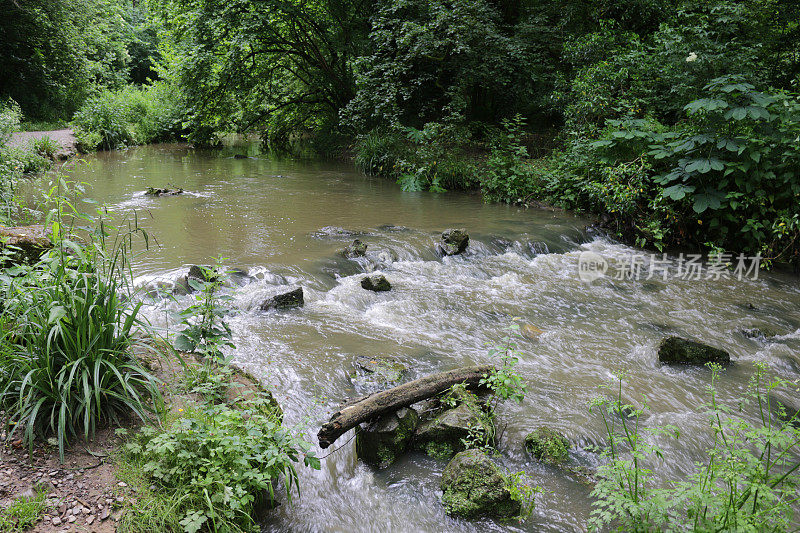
x=65, y=137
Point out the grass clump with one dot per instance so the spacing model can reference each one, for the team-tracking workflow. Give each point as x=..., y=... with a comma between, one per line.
x=66, y=349
x=23, y=512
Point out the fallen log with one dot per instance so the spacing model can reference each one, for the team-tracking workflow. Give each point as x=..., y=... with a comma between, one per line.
x=374, y=405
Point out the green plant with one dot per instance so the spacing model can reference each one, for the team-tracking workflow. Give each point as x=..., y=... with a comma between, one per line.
x=508, y=176
x=67, y=358
x=504, y=381
x=211, y=380
x=205, y=330
x=747, y=482
x=23, y=512
x=522, y=490
x=45, y=146
x=219, y=463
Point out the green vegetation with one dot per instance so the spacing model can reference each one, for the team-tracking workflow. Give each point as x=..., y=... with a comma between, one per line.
x=68, y=333
x=213, y=467
x=748, y=481
x=23, y=512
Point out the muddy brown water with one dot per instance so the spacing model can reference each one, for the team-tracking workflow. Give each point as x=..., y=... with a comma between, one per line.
x=285, y=222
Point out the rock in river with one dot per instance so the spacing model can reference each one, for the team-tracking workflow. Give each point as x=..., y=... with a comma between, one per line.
x=357, y=249
x=676, y=351
x=454, y=242
x=380, y=442
x=286, y=300
x=442, y=436
x=376, y=283
x=163, y=191
x=547, y=445
x=474, y=486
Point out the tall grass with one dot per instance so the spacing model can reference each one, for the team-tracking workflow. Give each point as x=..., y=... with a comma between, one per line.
x=66, y=359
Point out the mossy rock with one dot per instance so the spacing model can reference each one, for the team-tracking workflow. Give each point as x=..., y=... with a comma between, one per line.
x=288, y=300
x=473, y=486
x=547, y=445
x=454, y=242
x=25, y=244
x=357, y=249
x=381, y=442
x=442, y=436
x=376, y=283
x=381, y=370
x=679, y=351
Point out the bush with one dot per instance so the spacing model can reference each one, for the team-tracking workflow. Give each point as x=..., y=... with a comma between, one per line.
x=127, y=117
x=218, y=464
x=10, y=117
x=747, y=482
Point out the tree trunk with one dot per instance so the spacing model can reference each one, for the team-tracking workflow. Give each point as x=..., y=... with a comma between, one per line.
x=364, y=409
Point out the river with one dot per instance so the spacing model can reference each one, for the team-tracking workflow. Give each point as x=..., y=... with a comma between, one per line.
x=286, y=221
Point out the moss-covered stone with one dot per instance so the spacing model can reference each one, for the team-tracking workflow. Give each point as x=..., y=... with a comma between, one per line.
x=547, y=445
x=382, y=441
x=454, y=242
x=442, y=436
x=473, y=486
x=25, y=243
x=286, y=300
x=376, y=283
x=357, y=249
x=676, y=351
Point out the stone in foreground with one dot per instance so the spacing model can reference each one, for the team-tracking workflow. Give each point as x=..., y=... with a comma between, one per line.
x=382, y=441
x=473, y=486
x=30, y=242
x=377, y=283
x=547, y=445
x=288, y=300
x=454, y=242
x=679, y=351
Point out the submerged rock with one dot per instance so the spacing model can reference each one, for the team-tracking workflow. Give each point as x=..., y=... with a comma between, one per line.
x=203, y=273
x=376, y=283
x=163, y=191
x=380, y=442
x=287, y=300
x=761, y=333
x=385, y=370
x=239, y=156
x=357, y=249
x=676, y=350
x=454, y=242
x=442, y=436
x=547, y=445
x=26, y=243
x=474, y=486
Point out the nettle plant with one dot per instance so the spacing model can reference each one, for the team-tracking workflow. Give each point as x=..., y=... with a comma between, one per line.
x=205, y=330
x=748, y=480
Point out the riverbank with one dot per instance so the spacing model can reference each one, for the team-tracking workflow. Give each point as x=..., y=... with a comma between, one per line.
x=95, y=486
x=65, y=138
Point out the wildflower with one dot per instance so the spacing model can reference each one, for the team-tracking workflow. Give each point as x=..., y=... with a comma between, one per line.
x=691, y=58
x=180, y=410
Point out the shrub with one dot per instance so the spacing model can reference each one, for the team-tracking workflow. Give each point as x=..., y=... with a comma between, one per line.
x=45, y=146
x=10, y=117
x=218, y=464
x=127, y=117
x=747, y=482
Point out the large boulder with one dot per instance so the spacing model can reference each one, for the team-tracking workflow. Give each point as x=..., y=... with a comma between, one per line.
x=380, y=442
x=547, y=445
x=376, y=283
x=443, y=435
x=454, y=242
x=473, y=486
x=287, y=300
x=27, y=243
x=679, y=351
x=357, y=249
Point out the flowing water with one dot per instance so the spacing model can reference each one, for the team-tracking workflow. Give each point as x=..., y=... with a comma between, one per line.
x=285, y=223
